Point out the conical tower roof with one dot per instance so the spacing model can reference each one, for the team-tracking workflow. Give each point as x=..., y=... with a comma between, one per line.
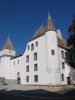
x=43, y=28
x=49, y=25
x=8, y=45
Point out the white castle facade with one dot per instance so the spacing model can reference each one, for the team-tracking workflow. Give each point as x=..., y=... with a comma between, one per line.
x=42, y=63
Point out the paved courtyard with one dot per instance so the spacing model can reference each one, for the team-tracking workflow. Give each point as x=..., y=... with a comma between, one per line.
x=21, y=92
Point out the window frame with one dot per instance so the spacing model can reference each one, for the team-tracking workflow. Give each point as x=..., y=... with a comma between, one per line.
x=52, y=52
x=62, y=77
x=36, y=43
x=27, y=59
x=35, y=56
x=35, y=78
x=27, y=78
x=27, y=68
x=62, y=54
x=35, y=67
x=63, y=65
x=32, y=47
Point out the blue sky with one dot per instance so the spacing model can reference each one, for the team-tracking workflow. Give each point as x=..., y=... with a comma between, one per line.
x=21, y=18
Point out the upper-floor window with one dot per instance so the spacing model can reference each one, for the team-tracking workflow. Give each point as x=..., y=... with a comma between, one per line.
x=27, y=58
x=36, y=44
x=28, y=47
x=35, y=78
x=35, y=67
x=62, y=77
x=35, y=56
x=52, y=52
x=18, y=61
x=63, y=65
x=32, y=47
x=62, y=53
x=27, y=68
x=14, y=63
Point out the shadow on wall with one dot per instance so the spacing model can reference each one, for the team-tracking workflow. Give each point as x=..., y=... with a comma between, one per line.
x=72, y=75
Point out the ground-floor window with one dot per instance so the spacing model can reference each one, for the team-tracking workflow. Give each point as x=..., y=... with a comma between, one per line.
x=62, y=77
x=35, y=78
x=27, y=78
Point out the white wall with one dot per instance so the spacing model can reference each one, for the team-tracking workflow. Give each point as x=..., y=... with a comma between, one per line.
x=48, y=65
x=7, y=52
x=5, y=67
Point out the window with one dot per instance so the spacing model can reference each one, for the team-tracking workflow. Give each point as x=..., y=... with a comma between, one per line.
x=18, y=73
x=62, y=53
x=14, y=63
x=63, y=65
x=36, y=44
x=27, y=68
x=35, y=67
x=35, y=78
x=27, y=78
x=35, y=56
x=27, y=58
x=32, y=47
x=62, y=77
x=18, y=61
x=52, y=52
x=28, y=47
x=9, y=51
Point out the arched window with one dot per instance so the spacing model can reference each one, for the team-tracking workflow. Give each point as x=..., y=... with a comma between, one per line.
x=32, y=47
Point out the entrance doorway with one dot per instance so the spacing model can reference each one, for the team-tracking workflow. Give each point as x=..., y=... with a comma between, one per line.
x=68, y=81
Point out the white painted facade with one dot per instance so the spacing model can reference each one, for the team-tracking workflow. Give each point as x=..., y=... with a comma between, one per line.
x=48, y=70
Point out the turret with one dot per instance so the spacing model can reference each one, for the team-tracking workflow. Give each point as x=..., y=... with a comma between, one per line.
x=8, y=48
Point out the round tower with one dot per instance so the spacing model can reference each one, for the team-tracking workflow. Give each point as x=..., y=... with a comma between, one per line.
x=52, y=55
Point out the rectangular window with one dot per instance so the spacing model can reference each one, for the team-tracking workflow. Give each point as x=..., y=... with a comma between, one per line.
x=35, y=56
x=14, y=63
x=18, y=74
x=18, y=61
x=35, y=78
x=27, y=58
x=35, y=67
x=27, y=78
x=63, y=65
x=62, y=54
x=36, y=44
x=62, y=77
x=52, y=52
x=27, y=68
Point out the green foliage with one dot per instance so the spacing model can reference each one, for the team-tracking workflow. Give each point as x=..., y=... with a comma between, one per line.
x=71, y=44
x=71, y=40
x=71, y=28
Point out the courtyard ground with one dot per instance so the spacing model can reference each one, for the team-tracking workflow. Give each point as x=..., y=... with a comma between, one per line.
x=21, y=92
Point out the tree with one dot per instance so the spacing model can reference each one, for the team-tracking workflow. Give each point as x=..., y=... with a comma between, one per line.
x=71, y=44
